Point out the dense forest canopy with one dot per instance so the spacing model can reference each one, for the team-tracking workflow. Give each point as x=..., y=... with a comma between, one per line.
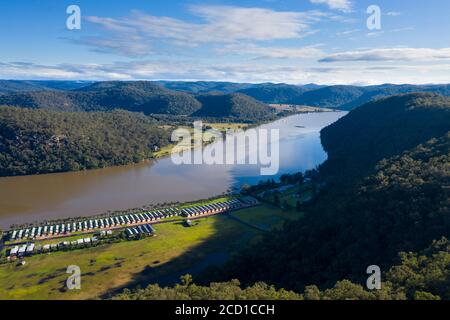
x=42, y=141
x=382, y=129
x=419, y=276
x=234, y=106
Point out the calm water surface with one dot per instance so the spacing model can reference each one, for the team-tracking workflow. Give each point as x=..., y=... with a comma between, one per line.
x=36, y=198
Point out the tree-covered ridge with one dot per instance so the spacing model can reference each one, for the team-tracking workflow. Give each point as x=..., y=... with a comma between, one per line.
x=234, y=106
x=403, y=207
x=337, y=97
x=275, y=93
x=142, y=96
x=418, y=276
x=200, y=87
x=344, y=97
x=382, y=129
x=401, y=203
x=137, y=96
x=180, y=98
x=42, y=141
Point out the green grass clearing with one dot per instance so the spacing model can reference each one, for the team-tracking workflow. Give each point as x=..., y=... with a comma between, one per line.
x=265, y=216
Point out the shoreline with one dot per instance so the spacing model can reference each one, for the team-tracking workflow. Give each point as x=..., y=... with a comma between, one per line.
x=40, y=209
x=161, y=155
x=65, y=220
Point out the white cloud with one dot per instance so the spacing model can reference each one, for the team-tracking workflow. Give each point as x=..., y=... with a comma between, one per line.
x=24, y=70
x=257, y=52
x=238, y=23
x=391, y=54
x=131, y=45
x=136, y=34
x=343, y=5
x=256, y=71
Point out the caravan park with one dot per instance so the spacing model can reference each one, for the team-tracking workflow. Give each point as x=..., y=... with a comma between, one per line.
x=139, y=251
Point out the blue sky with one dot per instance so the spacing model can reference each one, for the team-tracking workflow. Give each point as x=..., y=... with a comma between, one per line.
x=301, y=41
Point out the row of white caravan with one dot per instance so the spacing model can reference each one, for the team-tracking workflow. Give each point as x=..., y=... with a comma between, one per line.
x=145, y=229
x=92, y=224
x=212, y=208
x=30, y=248
x=23, y=250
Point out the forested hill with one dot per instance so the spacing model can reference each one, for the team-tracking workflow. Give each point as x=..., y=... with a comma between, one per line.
x=276, y=93
x=200, y=87
x=403, y=204
x=235, y=106
x=42, y=141
x=180, y=98
x=335, y=97
x=137, y=96
x=141, y=96
x=382, y=129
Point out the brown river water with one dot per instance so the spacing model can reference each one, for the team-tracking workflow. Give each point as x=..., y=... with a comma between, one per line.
x=29, y=199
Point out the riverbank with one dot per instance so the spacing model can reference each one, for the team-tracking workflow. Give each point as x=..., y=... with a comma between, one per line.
x=300, y=108
x=27, y=199
x=166, y=151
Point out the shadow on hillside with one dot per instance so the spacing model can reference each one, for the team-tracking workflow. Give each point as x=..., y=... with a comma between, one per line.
x=214, y=251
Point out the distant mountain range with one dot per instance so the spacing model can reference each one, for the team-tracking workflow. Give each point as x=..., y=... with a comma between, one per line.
x=139, y=96
x=12, y=86
x=183, y=98
x=341, y=97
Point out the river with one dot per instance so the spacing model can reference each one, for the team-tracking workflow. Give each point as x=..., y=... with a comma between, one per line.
x=29, y=199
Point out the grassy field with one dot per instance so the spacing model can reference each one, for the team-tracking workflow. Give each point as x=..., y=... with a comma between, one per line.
x=167, y=150
x=227, y=126
x=266, y=217
x=175, y=250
